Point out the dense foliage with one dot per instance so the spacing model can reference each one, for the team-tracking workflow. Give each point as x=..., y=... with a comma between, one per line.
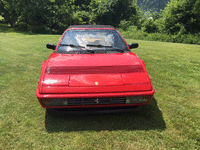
x=179, y=22
x=181, y=16
x=134, y=33
x=56, y=15
x=152, y=5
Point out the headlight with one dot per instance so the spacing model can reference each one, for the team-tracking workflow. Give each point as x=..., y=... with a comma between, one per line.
x=137, y=99
x=55, y=102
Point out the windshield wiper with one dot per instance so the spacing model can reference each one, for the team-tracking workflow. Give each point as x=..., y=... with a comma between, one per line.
x=75, y=52
x=81, y=51
x=72, y=45
x=110, y=47
x=89, y=50
x=91, y=45
x=115, y=49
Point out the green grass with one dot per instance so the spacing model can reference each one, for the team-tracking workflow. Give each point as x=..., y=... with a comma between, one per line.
x=171, y=121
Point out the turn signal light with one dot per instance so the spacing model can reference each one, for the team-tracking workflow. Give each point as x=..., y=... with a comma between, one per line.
x=137, y=99
x=55, y=102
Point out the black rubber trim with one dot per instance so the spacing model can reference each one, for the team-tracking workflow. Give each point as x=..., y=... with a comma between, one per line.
x=91, y=26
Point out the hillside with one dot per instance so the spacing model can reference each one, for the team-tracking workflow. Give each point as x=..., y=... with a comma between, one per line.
x=153, y=5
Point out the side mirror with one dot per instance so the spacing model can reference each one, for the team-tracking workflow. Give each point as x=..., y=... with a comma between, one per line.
x=133, y=45
x=51, y=46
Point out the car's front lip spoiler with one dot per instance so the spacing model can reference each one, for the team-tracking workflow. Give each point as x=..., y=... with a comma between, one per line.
x=65, y=111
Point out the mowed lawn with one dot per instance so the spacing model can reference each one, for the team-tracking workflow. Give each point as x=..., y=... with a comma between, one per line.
x=171, y=121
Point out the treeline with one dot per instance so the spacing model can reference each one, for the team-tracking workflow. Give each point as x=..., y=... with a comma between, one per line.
x=178, y=22
x=53, y=16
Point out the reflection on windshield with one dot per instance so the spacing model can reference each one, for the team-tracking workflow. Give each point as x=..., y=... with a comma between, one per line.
x=99, y=39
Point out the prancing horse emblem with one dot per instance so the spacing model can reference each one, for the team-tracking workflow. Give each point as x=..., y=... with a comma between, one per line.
x=97, y=100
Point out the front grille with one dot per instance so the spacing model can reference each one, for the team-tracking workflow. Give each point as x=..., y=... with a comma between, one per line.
x=97, y=101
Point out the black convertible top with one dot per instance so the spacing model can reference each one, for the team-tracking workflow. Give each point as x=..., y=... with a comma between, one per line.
x=91, y=26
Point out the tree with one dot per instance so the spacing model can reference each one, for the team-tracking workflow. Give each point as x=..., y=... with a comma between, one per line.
x=150, y=26
x=112, y=11
x=181, y=16
x=9, y=12
x=50, y=16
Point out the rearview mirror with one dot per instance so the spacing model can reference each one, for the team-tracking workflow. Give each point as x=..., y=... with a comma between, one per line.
x=133, y=45
x=51, y=46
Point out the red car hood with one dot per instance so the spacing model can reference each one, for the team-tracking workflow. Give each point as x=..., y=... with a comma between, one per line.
x=83, y=73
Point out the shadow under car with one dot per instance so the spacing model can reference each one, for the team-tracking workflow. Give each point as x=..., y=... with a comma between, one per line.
x=148, y=118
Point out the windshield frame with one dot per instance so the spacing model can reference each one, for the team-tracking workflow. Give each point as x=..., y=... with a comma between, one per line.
x=111, y=31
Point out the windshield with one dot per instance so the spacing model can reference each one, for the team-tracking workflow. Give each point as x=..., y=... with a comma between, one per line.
x=92, y=40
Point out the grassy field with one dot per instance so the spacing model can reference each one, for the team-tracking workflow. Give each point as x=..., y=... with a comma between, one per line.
x=171, y=121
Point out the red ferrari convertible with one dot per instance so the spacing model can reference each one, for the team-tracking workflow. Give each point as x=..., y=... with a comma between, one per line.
x=93, y=69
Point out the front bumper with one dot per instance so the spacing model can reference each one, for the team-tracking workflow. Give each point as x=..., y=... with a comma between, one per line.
x=95, y=95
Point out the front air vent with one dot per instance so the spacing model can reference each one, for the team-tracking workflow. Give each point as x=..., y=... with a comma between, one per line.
x=93, y=69
x=97, y=101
